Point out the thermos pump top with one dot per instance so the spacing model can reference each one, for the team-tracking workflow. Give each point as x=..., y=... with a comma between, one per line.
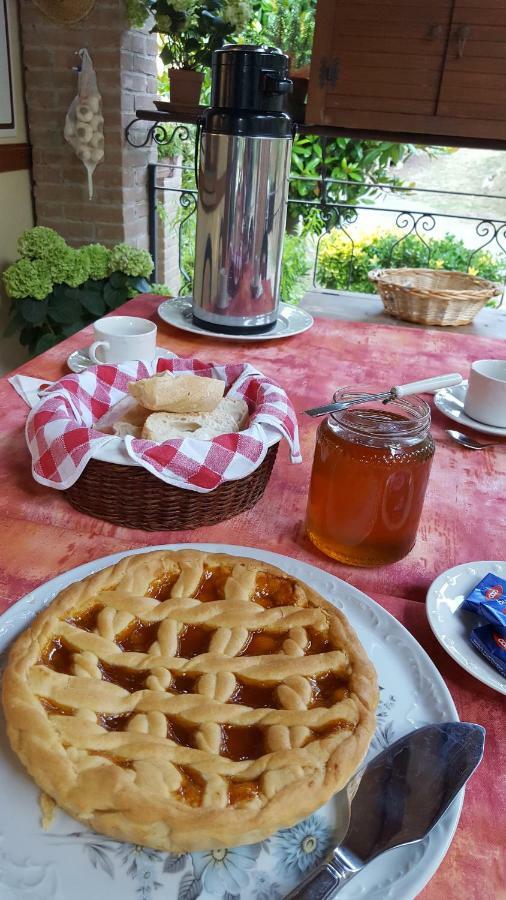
x=242, y=191
x=249, y=78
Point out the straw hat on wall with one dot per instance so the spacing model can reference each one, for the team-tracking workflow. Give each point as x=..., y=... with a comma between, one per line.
x=65, y=12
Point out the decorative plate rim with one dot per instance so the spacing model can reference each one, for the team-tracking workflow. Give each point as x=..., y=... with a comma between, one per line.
x=15, y=619
x=265, y=336
x=492, y=679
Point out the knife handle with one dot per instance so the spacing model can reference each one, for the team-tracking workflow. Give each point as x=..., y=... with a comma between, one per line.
x=322, y=882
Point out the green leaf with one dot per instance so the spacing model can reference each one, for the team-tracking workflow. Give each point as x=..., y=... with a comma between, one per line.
x=112, y=297
x=140, y=284
x=33, y=311
x=93, y=302
x=28, y=335
x=122, y=297
x=117, y=279
x=44, y=343
x=69, y=330
x=65, y=309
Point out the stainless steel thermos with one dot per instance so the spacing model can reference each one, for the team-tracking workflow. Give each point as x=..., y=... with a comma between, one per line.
x=242, y=191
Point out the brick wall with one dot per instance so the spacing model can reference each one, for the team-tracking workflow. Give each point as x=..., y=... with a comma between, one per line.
x=125, y=65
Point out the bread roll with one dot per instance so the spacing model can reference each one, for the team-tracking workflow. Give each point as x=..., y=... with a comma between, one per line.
x=178, y=394
x=229, y=416
x=131, y=422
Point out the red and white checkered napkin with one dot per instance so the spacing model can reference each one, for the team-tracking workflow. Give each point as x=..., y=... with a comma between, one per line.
x=61, y=436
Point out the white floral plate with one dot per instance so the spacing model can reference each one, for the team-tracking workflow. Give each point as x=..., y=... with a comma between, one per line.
x=291, y=320
x=452, y=627
x=68, y=862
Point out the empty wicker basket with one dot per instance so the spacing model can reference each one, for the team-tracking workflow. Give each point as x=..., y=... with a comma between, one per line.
x=432, y=296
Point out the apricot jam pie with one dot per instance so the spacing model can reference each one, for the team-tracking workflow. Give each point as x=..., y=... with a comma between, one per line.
x=189, y=701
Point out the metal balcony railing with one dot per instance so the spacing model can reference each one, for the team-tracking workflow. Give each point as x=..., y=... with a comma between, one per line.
x=413, y=219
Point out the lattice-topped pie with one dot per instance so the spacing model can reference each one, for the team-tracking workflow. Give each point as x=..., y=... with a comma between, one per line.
x=186, y=700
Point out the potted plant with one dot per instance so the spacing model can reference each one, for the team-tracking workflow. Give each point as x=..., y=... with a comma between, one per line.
x=56, y=290
x=189, y=32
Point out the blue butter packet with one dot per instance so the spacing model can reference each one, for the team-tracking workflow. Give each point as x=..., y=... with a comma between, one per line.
x=488, y=599
x=490, y=644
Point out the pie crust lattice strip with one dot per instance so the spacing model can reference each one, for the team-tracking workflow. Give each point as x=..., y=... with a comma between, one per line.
x=184, y=700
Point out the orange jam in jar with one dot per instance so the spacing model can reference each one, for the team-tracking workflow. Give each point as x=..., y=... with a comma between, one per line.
x=370, y=472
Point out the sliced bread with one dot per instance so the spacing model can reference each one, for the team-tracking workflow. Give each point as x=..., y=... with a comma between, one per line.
x=230, y=416
x=178, y=394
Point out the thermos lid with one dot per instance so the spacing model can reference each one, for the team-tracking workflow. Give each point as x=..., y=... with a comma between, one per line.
x=248, y=77
x=252, y=55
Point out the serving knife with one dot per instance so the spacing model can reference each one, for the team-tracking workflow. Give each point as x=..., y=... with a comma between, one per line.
x=400, y=796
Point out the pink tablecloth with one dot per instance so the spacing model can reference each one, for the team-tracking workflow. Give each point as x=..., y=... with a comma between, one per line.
x=464, y=519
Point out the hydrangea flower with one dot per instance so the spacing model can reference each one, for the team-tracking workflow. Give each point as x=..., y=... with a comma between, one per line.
x=237, y=13
x=70, y=267
x=303, y=846
x=130, y=261
x=28, y=278
x=40, y=242
x=80, y=268
x=99, y=260
x=225, y=871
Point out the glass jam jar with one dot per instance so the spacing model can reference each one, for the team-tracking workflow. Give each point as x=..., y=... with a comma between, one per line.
x=370, y=472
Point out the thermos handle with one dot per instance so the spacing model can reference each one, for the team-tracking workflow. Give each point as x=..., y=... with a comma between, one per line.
x=273, y=84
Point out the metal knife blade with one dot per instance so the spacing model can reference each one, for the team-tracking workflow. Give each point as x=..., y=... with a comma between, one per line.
x=402, y=794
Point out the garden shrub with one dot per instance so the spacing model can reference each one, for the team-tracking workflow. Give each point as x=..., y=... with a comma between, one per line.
x=345, y=266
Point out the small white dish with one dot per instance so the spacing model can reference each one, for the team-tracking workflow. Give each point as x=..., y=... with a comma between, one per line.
x=452, y=626
x=79, y=360
x=450, y=401
x=291, y=320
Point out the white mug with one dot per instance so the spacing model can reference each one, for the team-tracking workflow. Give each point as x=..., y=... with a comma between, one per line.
x=121, y=338
x=486, y=395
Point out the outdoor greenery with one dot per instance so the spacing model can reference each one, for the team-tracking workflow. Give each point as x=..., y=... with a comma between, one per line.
x=191, y=30
x=56, y=290
x=343, y=265
x=296, y=269
x=287, y=24
x=356, y=166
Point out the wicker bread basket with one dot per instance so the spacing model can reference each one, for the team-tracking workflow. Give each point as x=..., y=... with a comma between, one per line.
x=134, y=498
x=432, y=296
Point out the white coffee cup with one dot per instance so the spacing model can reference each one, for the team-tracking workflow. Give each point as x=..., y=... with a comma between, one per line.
x=121, y=338
x=486, y=395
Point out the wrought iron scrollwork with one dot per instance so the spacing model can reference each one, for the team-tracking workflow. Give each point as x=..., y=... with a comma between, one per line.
x=187, y=202
x=341, y=218
x=157, y=133
x=332, y=214
x=415, y=222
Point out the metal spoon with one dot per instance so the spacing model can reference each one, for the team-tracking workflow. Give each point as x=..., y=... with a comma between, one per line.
x=469, y=442
x=395, y=393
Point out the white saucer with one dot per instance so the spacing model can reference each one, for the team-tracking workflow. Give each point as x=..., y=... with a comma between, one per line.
x=79, y=360
x=452, y=627
x=450, y=401
x=291, y=320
